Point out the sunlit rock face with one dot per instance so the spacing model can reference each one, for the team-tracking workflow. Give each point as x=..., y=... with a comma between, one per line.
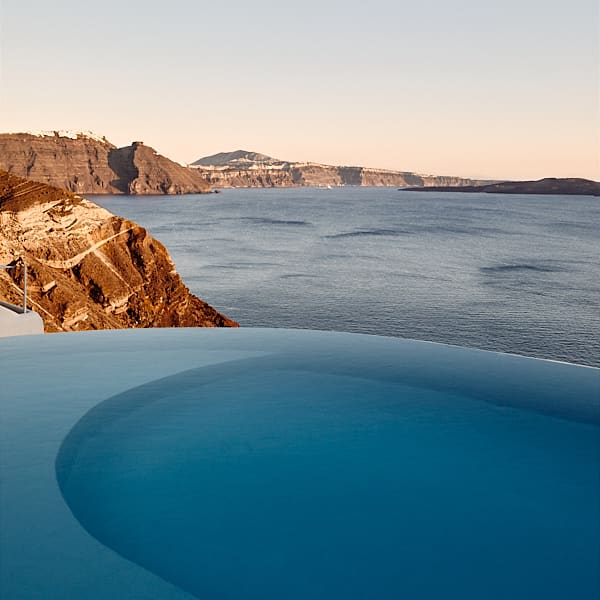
x=88, y=164
x=87, y=268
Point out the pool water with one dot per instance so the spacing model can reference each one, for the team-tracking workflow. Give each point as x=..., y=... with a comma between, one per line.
x=324, y=465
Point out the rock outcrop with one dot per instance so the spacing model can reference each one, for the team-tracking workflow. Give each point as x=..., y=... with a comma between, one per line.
x=88, y=164
x=252, y=169
x=144, y=171
x=87, y=268
x=550, y=185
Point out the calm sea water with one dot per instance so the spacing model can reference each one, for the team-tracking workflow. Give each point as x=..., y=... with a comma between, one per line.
x=509, y=273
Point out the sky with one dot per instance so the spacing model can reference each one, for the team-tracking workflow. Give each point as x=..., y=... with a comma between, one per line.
x=478, y=88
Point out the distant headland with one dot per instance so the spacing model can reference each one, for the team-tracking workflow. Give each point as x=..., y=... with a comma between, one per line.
x=550, y=185
x=243, y=168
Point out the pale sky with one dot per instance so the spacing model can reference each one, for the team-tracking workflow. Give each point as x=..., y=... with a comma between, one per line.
x=481, y=88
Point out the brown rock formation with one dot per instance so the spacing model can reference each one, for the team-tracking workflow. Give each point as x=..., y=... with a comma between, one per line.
x=87, y=268
x=144, y=171
x=87, y=164
x=251, y=169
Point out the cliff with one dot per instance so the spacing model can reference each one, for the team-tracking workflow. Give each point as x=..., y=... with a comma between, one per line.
x=84, y=163
x=549, y=185
x=87, y=164
x=251, y=169
x=87, y=268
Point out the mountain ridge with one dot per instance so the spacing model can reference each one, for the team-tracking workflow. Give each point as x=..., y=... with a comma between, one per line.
x=243, y=168
x=235, y=157
x=86, y=163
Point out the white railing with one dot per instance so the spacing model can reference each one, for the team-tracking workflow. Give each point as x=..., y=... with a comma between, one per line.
x=24, y=283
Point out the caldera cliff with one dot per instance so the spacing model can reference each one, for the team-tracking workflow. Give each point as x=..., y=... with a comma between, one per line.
x=85, y=163
x=87, y=268
x=242, y=168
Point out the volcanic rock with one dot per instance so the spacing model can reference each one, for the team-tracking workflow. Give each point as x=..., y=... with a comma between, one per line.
x=88, y=164
x=242, y=168
x=87, y=268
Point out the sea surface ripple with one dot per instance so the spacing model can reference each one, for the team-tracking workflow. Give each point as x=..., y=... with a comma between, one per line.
x=510, y=273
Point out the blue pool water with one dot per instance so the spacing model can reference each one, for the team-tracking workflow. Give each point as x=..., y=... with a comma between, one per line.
x=267, y=464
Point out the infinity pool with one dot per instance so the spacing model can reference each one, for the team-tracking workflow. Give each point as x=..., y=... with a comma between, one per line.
x=293, y=464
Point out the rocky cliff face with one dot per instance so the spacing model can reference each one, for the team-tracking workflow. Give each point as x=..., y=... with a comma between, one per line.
x=87, y=164
x=87, y=268
x=144, y=171
x=251, y=169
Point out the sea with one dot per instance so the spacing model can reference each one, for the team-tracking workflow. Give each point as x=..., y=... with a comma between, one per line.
x=509, y=273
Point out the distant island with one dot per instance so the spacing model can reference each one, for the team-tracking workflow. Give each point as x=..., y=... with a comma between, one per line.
x=550, y=185
x=243, y=168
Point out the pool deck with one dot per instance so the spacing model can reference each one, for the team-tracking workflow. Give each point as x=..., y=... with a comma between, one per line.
x=13, y=321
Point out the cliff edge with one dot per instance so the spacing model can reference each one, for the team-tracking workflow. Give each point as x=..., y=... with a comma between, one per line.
x=87, y=268
x=85, y=163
